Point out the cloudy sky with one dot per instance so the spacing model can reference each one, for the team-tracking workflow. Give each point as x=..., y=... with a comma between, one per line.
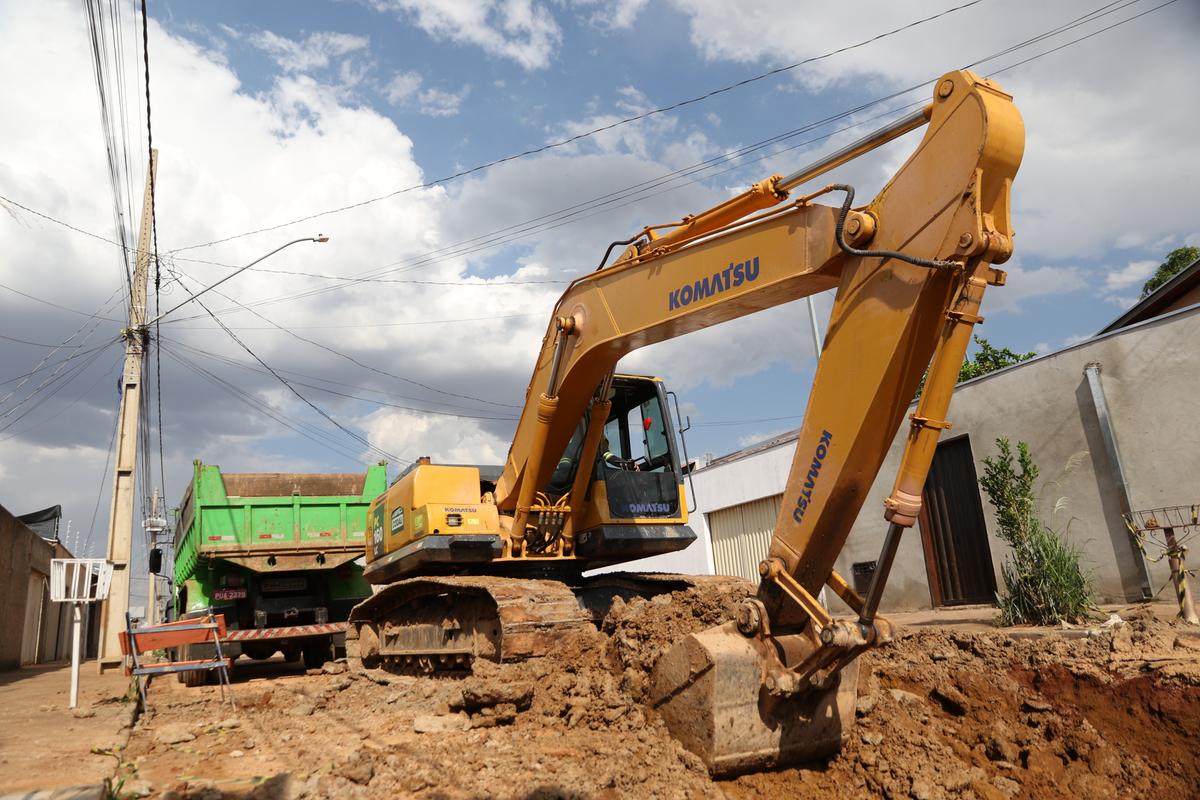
x=269, y=112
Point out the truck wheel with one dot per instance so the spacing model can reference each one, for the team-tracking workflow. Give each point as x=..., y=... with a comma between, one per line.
x=196, y=677
x=317, y=653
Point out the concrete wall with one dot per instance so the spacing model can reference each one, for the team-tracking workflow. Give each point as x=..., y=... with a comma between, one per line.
x=22, y=553
x=1151, y=378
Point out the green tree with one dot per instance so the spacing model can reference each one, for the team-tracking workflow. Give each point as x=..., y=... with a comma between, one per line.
x=1177, y=260
x=986, y=359
x=1044, y=581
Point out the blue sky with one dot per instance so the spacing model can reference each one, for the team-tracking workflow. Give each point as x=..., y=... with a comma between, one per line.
x=270, y=111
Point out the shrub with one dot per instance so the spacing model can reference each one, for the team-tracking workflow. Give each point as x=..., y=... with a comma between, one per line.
x=1044, y=582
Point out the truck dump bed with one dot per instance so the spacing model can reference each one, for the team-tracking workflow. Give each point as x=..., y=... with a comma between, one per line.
x=273, y=552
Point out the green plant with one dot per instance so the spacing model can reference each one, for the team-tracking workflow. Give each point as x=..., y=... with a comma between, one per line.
x=1177, y=260
x=986, y=359
x=1044, y=581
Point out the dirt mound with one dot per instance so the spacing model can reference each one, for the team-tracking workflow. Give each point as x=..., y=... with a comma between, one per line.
x=1109, y=713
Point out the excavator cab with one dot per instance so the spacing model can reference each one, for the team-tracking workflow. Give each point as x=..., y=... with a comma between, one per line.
x=637, y=459
x=633, y=503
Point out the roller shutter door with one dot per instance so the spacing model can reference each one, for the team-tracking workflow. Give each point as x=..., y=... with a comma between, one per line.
x=741, y=535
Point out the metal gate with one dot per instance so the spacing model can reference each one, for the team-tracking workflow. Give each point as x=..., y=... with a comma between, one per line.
x=953, y=532
x=741, y=535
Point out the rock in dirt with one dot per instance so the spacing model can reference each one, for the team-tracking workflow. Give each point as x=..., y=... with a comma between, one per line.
x=478, y=695
x=1035, y=704
x=333, y=668
x=174, y=734
x=229, y=724
x=303, y=708
x=359, y=769
x=903, y=696
x=82, y=713
x=950, y=699
x=137, y=789
x=441, y=723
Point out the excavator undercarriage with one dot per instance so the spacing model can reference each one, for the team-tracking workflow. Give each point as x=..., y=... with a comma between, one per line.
x=444, y=624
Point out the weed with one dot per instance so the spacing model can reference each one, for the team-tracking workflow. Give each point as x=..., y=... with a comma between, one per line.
x=1044, y=582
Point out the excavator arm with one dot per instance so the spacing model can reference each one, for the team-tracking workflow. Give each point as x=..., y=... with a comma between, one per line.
x=910, y=269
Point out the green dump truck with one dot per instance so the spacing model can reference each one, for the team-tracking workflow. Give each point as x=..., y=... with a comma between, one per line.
x=278, y=554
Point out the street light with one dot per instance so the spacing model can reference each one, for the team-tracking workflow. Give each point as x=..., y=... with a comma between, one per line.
x=320, y=238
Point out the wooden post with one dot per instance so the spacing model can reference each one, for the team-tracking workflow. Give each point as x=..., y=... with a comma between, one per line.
x=1183, y=593
x=120, y=517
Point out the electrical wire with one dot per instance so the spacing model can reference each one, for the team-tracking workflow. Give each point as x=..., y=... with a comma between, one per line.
x=339, y=393
x=87, y=540
x=293, y=390
x=300, y=427
x=356, y=361
x=556, y=219
x=590, y=133
x=94, y=319
x=103, y=374
x=53, y=387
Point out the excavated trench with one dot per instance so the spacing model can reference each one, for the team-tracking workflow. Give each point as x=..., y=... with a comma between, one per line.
x=1109, y=713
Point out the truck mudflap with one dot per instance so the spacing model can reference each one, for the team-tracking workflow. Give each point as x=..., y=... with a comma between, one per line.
x=289, y=632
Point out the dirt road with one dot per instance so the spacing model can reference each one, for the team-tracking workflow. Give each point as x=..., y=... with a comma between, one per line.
x=46, y=745
x=941, y=713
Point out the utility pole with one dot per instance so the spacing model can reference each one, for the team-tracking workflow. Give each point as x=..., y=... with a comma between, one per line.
x=120, y=516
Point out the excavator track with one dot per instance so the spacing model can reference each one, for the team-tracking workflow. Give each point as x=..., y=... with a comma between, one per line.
x=443, y=624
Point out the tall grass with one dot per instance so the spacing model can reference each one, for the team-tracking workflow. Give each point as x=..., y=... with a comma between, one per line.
x=1044, y=581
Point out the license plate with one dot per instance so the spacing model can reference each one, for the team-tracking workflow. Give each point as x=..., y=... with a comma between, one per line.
x=229, y=594
x=284, y=584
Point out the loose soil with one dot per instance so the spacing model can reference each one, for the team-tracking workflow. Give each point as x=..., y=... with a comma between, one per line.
x=1104, y=713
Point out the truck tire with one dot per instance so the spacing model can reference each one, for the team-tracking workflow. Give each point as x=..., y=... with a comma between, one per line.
x=317, y=652
x=193, y=678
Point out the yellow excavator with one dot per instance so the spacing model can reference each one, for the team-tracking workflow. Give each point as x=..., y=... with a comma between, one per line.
x=474, y=563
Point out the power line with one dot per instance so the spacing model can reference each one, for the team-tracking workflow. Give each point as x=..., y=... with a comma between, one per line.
x=341, y=384
x=94, y=319
x=459, y=320
x=53, y=386
x=338, y=393
x=26, y=341
x=300, y=427
x=629, y=195
x=292, y=389
x=71, y=357
x=162, y=472
x=104, y=374
x=354, y=360
x=36, y=299
x=1090, y=16
x=587, y=134
x=87, y=540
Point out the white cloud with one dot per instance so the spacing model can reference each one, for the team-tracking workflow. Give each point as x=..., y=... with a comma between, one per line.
x=405, y=89
x=522, y=30
x=402, y=87
x=1024, y=284
x=445, y=439
x=612, y=15
x=1110, y=159
x=314, y=52
x=1135, y=272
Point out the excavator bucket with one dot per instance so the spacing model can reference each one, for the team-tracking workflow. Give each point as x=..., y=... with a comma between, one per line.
x=708, y=689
